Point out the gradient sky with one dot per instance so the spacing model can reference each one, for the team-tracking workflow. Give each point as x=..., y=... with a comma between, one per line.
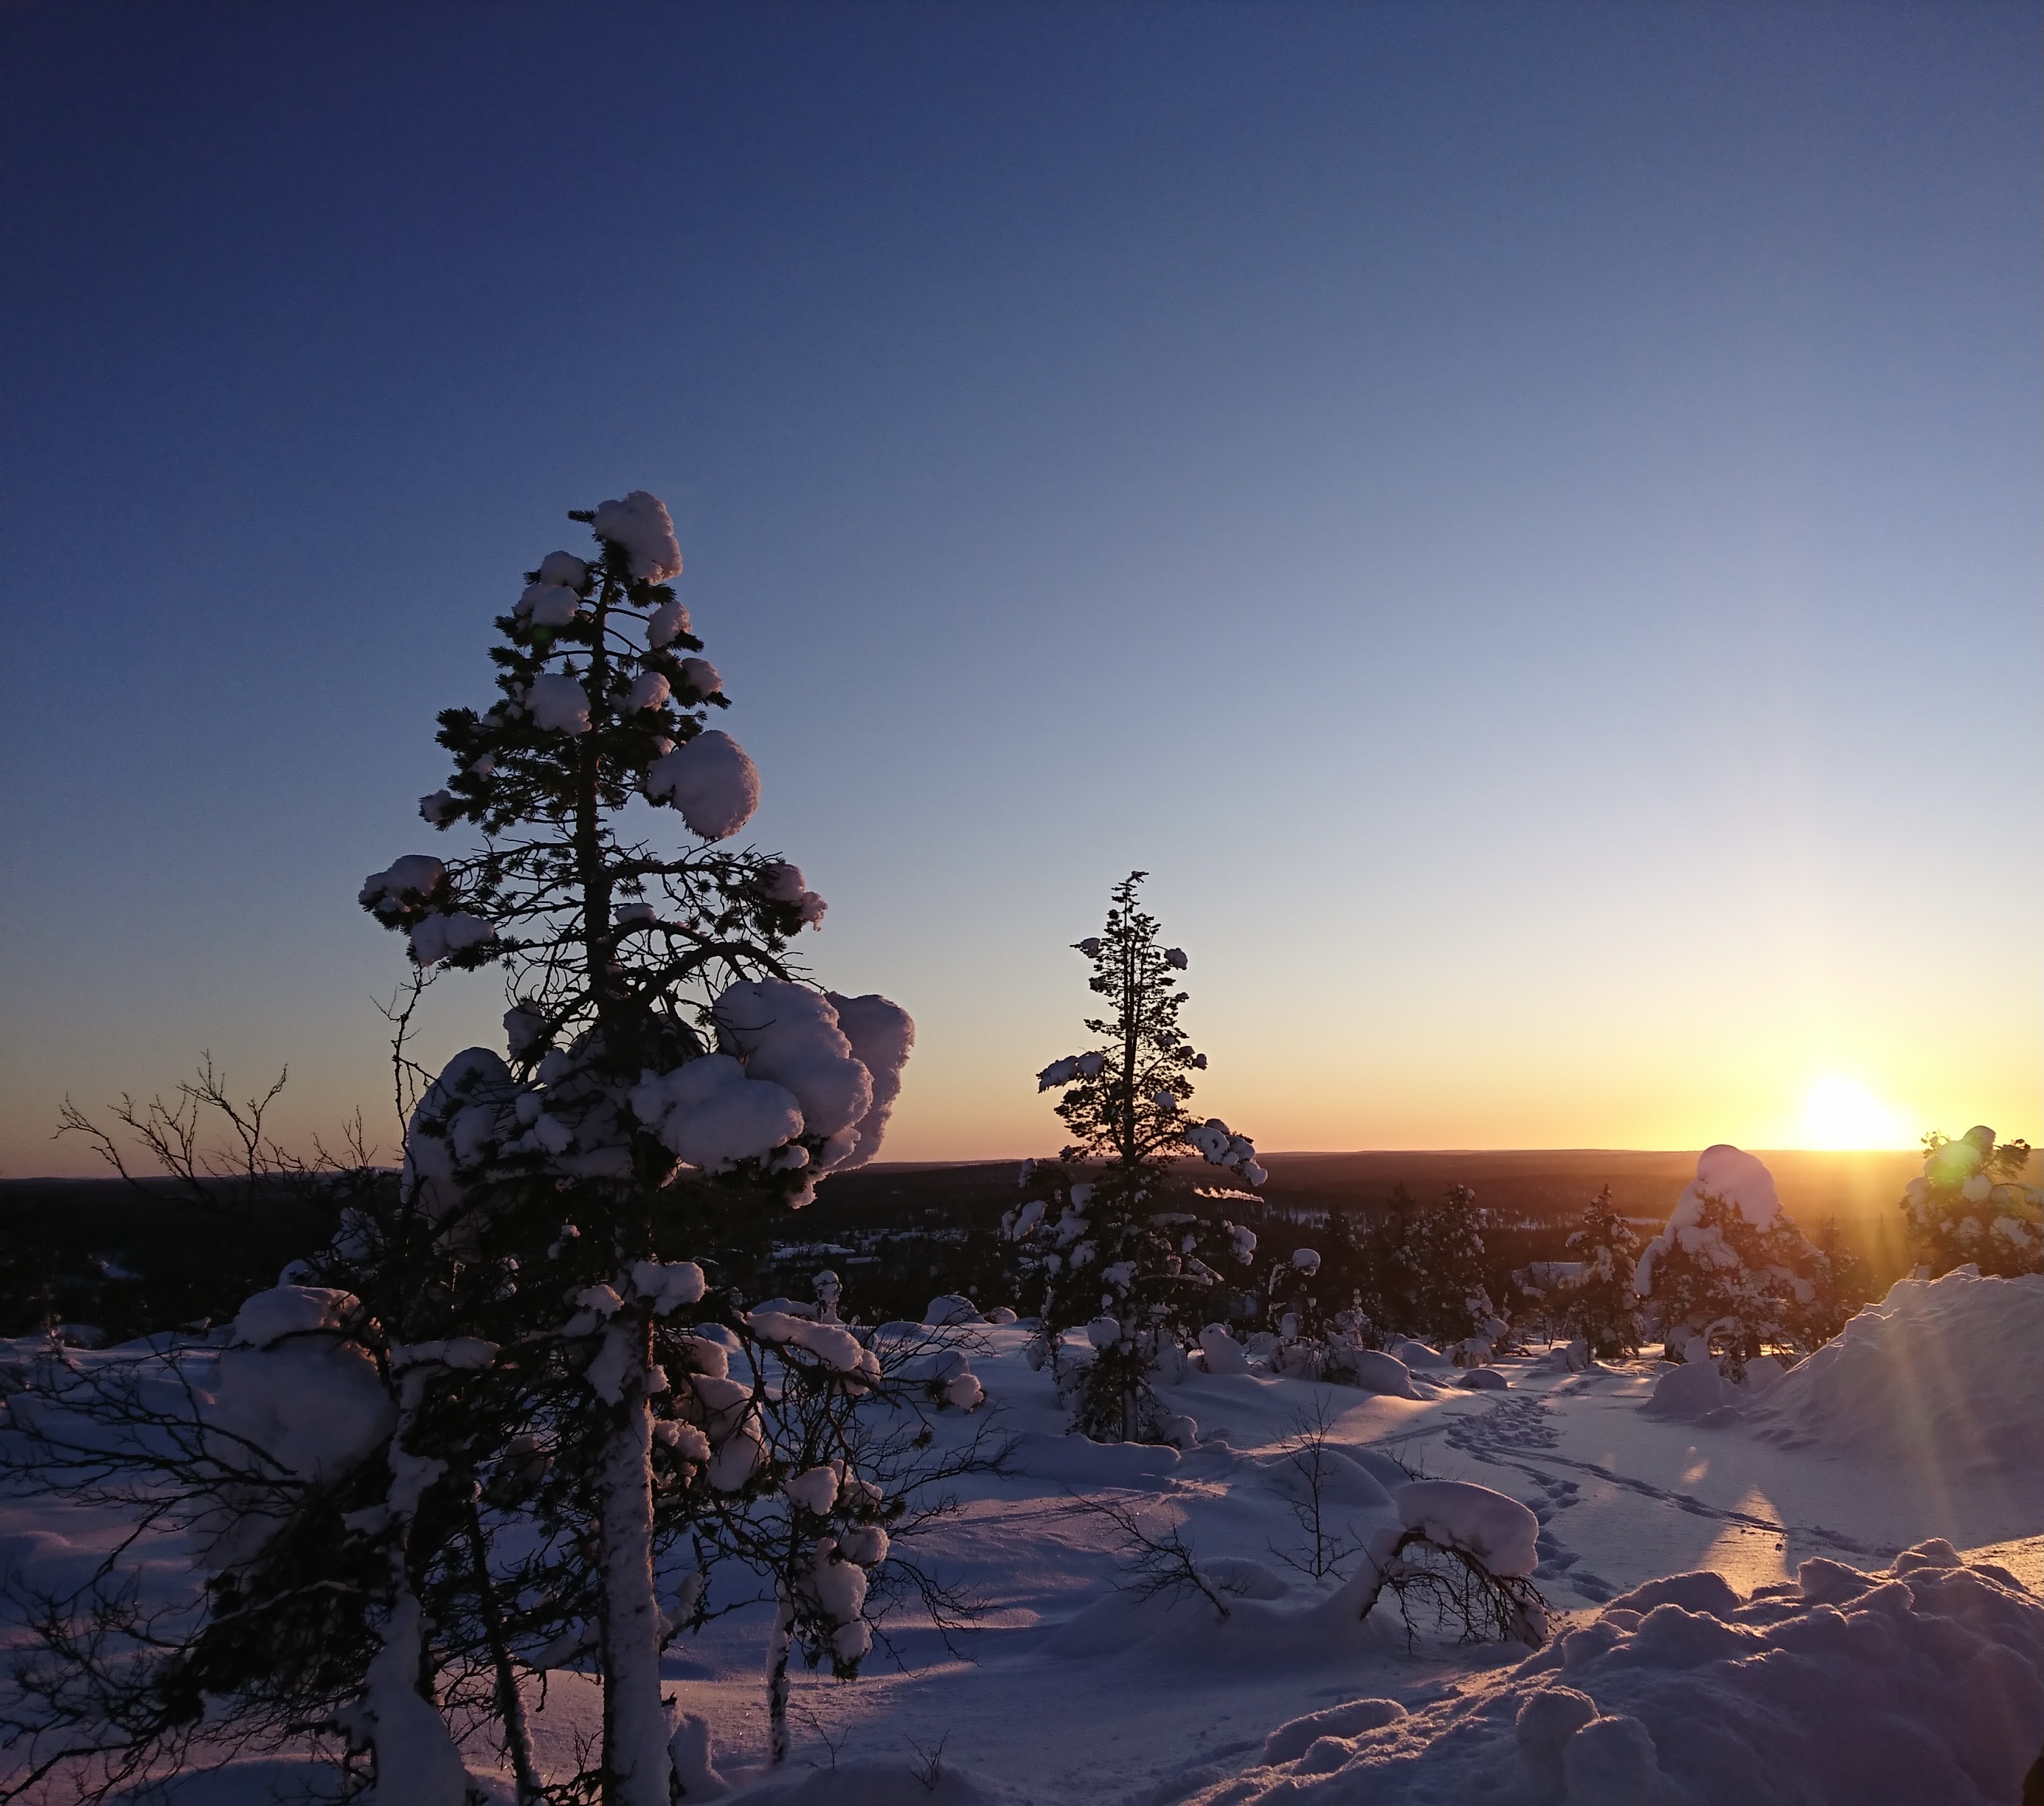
x=1525, y=519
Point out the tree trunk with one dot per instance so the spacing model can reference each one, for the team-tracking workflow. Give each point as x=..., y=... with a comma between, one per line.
x=510, y=1703
x=777, y=1684
x=635, y=1764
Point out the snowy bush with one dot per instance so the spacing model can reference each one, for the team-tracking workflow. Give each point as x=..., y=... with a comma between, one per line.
x=1115, y=1243
x=1970, y=1207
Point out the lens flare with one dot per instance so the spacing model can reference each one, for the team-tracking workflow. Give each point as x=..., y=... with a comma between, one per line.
x=1840, y=1113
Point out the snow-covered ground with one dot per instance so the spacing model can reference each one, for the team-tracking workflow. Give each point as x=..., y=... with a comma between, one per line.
x=1072, y=1688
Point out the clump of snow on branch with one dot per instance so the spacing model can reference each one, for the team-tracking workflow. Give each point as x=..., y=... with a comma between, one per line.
x=883, y=1037
x=411, y=884
x=712, y=1116
x=297, y=1395
x=558, y=703
x=640, y=525
x=667, y=624
x=789, y=1034
x=784, y=883
x=650, y=690
x=547, y=604
x=434, y=937
x=566, y=569
x=1498, y=1530
x=701, y=676
x=1219, y=1145
x=711, y=781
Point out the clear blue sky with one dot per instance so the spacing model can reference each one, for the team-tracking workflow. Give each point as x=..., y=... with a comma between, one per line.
x=1525, y=519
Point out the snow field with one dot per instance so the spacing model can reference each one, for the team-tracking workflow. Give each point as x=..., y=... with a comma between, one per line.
x=1081, y=1691
x=1800, y=1604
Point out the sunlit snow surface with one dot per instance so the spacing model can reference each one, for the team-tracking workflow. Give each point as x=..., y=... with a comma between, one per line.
x=1926, y=1683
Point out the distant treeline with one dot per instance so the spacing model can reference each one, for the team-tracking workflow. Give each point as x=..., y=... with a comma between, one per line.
x=128, y=1262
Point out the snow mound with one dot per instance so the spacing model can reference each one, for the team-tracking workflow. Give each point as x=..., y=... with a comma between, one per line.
x=294, y=1310
x=1941, y=1372
x=1499, y=1530
x=1373, y=1371
x=1292, y=1739
x=1923, y=1683
x=1224, y=1354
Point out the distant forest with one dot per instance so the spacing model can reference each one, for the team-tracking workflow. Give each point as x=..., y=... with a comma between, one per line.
x=125, y=1262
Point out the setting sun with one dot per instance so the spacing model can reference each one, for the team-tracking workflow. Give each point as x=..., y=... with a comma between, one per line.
x=1841, y=1113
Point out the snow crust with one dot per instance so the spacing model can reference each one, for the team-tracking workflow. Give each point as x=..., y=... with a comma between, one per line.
x=711, y=781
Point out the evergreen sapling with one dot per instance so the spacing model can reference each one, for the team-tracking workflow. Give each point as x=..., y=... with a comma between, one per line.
x=1118, y=1243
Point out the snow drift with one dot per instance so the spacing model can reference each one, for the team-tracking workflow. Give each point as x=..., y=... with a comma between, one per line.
x=1923, y=1683
x=1941, y=1371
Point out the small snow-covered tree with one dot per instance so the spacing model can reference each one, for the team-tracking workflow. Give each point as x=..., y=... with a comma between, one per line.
x=1970, y=1205
x=1603, y=1306
x=1116, y=1241
x=1423, y=1268
x=1730, y=1269
x=1446, y=1246
x=1838, y=1289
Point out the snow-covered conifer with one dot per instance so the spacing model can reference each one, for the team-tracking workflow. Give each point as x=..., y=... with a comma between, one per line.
x=1423, y=1272
x=1971, y=1206
x=1603, y=1306
x=1124, y=1249
x=1839, y=1288
x=667, y=1066
x=1730, y=1269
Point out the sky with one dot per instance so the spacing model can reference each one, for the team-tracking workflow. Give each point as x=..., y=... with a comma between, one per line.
x=1523, y=520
